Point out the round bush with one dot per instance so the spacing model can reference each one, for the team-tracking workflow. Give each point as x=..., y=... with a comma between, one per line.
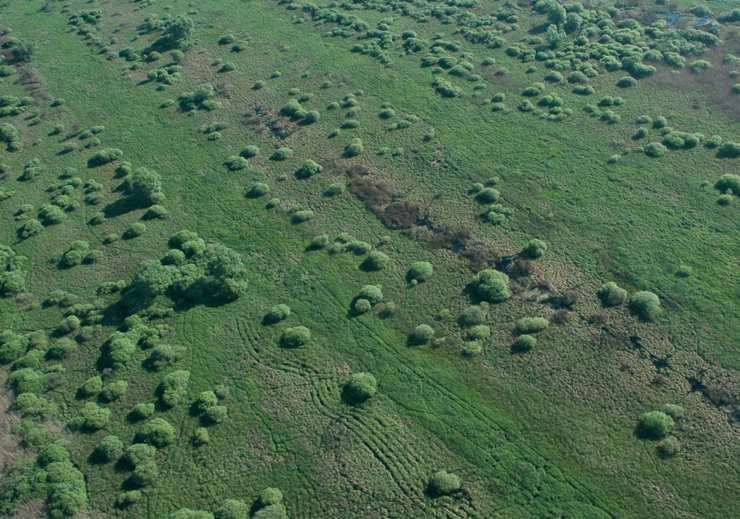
x=668, y=447
x=157, y=432
x=295, y=337
x=422, y=334
x=420, y=271
x=354, y=148
x=443, y=483
x=250, y=151
x=491, y=285
x=655, y=149
x=232, y=509
x=675, y=411
x=375, y=261
x=535, y=249
x=109, y=449
x=612, y=294
x=142, y=411
x=359, y=388
x=309, y=169
x=135, y=229
x=91, y=387
x=488, y=195
x=258, y=189
x=282, y=154
x=270, y=496
x=277, y=313
x=114, y=390
x=372, y=293
x=362, y=306
x=646, y=305
x=655, y=424
x=523, y=344
x=302, y=216
x=471, y=316
x=201, y=437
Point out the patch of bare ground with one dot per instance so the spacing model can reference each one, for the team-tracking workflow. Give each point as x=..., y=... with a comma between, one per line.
x=715, y=84
x=395, y=212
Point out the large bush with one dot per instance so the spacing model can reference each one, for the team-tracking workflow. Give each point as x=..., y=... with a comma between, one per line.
x=144, y=187
x=158, y=432
x=443, y=483
x=655, y=424
x=728, y=183
x=612, y=294
x=295, y=337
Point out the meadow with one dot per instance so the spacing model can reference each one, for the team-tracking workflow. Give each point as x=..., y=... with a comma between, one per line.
x=369, y=259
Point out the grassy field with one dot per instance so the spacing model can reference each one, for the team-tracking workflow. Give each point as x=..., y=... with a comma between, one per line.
x=550, y=432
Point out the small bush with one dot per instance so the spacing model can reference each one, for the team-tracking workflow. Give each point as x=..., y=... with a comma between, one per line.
x=295, y=337
x=128, y=498
x=354, y=148
x=534, y=249
x=114, y=391
x=529, y=325
x=134, y=230
x=250, y=151
x=420, y=271
x=668, y=447
x=362, y=306
x=157, y=432
x=139, y=453
x=675, y=411
x=309, y=169
x=375, y=261
x=236, y=163
x=612, y=294
x=93, y=417
x=422, y=334
x=626, y=82
x=109, y=449
x=232, y=509
x=655, y=424
x=443, y=483
x=142, y=411
x=282, y=154
x=646, y=305
x=173, y=388
x=729, y=150
x=728, y=183
x=488, y=195
x=201, y=436
x=655, y=149
x=359, y=388
x=257, y=190
x=104, y=156
x=276, y=314
x=302, y=216
x=371, y=293
x=523, y=344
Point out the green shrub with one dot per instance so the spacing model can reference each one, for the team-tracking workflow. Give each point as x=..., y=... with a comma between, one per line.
x=109, y=449
x=138, y=453
x=29, y=405
x=420, y=271
x=104, y=156
x=309, y=169
x=28, y=380
x=724, y=199
x=236, y=163
x=250, y=151
x=91, y=387
x=646, y=305
x=232, y=509
x=354, y=148
x=362, y=306
x=471, y=316
x=488, y=195
x=478, y=332
x=375, y=261
x=443, y=483
x=205, y=401
x=422, y=334
x=67, y=494
x=276, y=314
x=202, y=98
x=654, y=424
x=359, y=388
x=145, y=474
x=729, y=150
x=53, y=453
x=93, y=417
x=270, y=496
x=142, y=411
x=655, y=149
x=144, y=187
x=529, y=325
x=612, y=294
x=30, y=227
x=282, y=154
x=214, y=415
x=523, y=344
x=257, y=190
x=626, y=82
x=302, y=216
x=675, y=411
x=201, y=437
x=491, y=286
x=534, y=249
x=128, y=498
x=334, y=189
x=157, y=432
x=114, y=390
x=295, y=337
x=728, y=183
x=668, y=447
x=371, y=293
x=134, y=230
x=173, y=388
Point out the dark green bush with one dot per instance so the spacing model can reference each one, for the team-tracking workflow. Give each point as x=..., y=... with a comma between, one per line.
x=91, y=387
x=142, y=411
x=144, y=187
x=534, y=249
x=375, y=261
x=173, y=388
x=109, y=449
x=728, y=183
x=93, y=417
x=354, y=148
x=668, y=447
x=309, y=169
x=524, y=343
x=250, y=151
x=276, y=314
x=420, y=271
x=104, y=156
x=282, y=154
x=232, y=509
x=157, y=432
x=655, y=149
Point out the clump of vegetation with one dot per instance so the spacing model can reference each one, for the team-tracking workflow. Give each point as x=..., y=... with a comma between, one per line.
x=646, y=305
x=173, y=388
x=728, y=183
x=654, y=425
x=354, y=148
x=491, y=285
x=202, y=98
x=422, y=334
x=309, y=169
x=534, y=249
x=655, y=149
x=375, y=261
x=109, y=449
x=524, y=343
x=529, y=325
x=295, y=337
x=612, y=294
x=359, y=388
x=282, y=154
x=104, y=156
x=420, y=271
x=144, y=187
x=157, y=432
x=443, y=483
